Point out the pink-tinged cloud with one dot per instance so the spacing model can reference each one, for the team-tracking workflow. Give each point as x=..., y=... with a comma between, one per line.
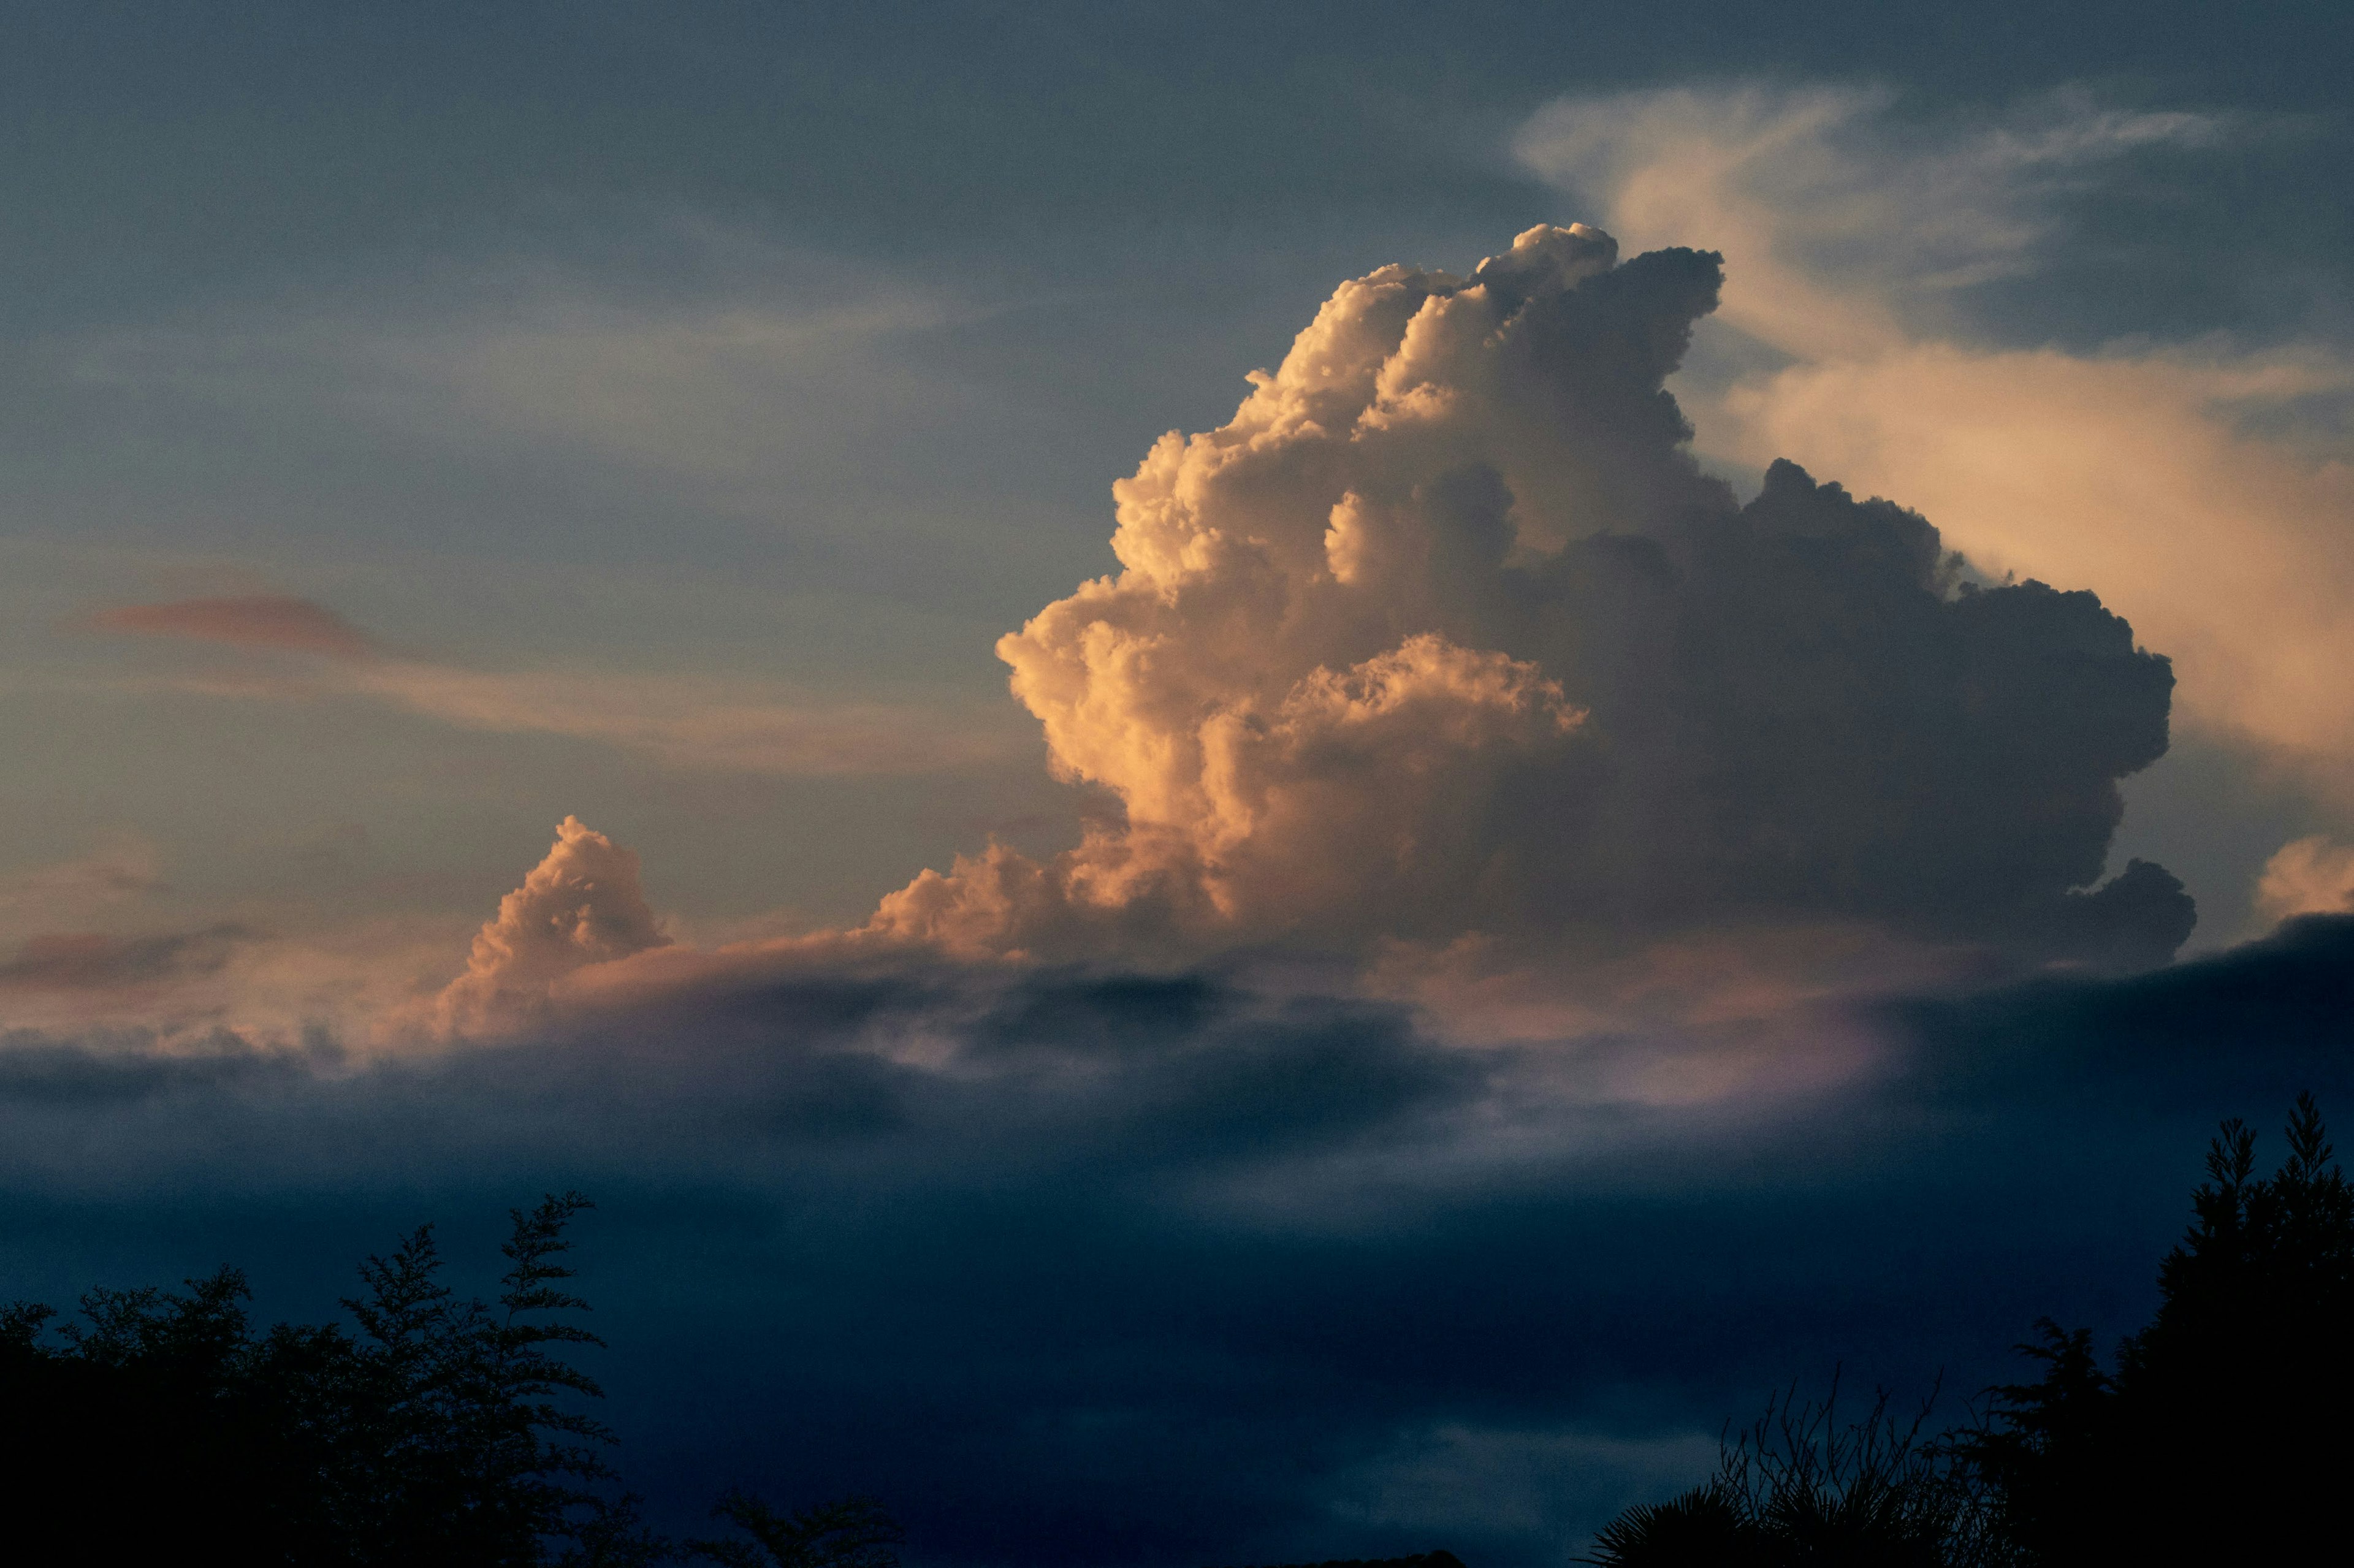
x=580, y=906
x=2135, y=469
x=275, y=622
x=2308, y=876
x=1447, y=630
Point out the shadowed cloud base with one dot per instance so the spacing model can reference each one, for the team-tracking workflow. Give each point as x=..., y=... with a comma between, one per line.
x=1085, y=1268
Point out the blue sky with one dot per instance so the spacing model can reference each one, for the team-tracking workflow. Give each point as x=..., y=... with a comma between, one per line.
x=421, y=428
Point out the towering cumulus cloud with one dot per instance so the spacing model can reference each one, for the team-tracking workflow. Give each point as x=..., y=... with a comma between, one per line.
x=1447, y=631
x=580, y=906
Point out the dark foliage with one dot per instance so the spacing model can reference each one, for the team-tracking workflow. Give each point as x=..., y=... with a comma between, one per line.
x=1801, y=1486
x=432, y=1433
x=2219, y=1437
x=434, y=1429
x=2221, y=1432
x=855, y=1532
x=1420, y=1559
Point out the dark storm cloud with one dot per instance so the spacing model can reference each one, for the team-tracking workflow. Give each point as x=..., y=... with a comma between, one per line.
x=1094, y=1267
x=2236, y=1026
x=38, y=1070
x=1804, y=711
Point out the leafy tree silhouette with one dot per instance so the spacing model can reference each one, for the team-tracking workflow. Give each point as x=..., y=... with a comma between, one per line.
x=2220, y=1435
x=471, y=1460
x=853, y=1533
x=2221, y=1431
x=435, y=1430
x=1801, y=1486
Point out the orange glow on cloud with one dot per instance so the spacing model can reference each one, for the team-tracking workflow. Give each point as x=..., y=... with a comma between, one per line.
x=269, y=621
x=2130, y=469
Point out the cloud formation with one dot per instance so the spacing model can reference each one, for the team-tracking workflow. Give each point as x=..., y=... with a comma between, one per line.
x=2172, y=479
x=1446, y=631
x=1093, y=1267
x=2309, y=876
x=43, y=897
x=94, y=961
x=580, y=906
x=686, y=722
x=272, y=622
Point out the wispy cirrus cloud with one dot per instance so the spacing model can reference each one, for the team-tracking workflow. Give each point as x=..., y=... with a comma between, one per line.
x=268, y=621
x=94, y=961
x=733, y=373
x=120, y=870
x=685, y=721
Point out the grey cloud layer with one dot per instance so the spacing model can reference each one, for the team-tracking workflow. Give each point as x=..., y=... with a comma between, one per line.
x=1093, y=1267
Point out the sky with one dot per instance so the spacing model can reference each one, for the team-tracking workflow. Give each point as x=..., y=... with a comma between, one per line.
x=1251, y=785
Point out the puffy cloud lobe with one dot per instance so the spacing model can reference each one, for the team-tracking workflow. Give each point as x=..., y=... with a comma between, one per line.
x=1446, y=631
x=2182, y=479
x=2308, y=876
x=580, y=906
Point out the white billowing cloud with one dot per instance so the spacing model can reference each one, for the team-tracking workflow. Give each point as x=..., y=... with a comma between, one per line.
x=1444, y=652
x=2131, y=471
x=579, y=907
x=2308, y=876
x=1446, y=631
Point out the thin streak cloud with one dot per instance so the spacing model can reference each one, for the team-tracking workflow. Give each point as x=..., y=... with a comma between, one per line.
x=682, y=721
x=275, y=621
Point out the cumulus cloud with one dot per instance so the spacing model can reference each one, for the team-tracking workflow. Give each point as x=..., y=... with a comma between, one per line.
x=1447, y=630
x=2307, y=877
x=580, y=906
x=2139, y=471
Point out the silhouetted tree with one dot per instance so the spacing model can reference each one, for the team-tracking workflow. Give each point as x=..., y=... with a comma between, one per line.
x=2221, y=1436
x=438, y=1430
x=612, y=1534
x=435, y=1435
x=853, y=1533
x=1801, y=1486
x=2222, y=1431
x=472, y=1459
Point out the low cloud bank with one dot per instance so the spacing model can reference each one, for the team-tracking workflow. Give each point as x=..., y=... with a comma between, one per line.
x=1084, y=1267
